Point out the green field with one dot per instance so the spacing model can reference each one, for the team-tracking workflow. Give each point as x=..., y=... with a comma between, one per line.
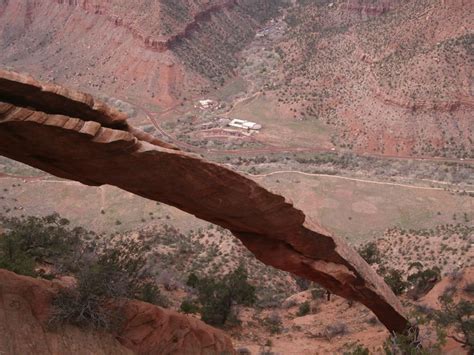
x=280, y=128
x=104, y=209
x=359, y=211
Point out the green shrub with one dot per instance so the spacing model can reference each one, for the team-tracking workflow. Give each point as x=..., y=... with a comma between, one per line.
x=13, y=258
x=302, y=283
x=370, y=253
x=81, y=309
x=117, y=270
x=469, y=288
x=193, y=280
x=460, y=316
x=150, y=293
x=116, y=274
x=189, y=307
x=357, y=350
x=335, y=329
x=33, y=239
x=409, y=343
x=318, y=293
x=424, y=280
x=217, y=296
x=394, y=279
x=273, y=323
x=303, y=309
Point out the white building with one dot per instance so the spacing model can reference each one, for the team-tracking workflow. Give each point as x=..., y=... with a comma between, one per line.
x=206, y=103
x=245, y=125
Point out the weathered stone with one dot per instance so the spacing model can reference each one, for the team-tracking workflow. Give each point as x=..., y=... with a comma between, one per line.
x=91, y=146
x=25, y=305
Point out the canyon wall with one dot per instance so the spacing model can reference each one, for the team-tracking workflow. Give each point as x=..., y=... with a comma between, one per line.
x=391, y=77
x=77, y=146
x=156, y=52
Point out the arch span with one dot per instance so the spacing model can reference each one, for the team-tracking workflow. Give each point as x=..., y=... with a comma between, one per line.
x=73, y=136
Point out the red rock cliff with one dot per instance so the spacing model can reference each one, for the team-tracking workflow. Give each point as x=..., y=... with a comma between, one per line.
x=122, y=47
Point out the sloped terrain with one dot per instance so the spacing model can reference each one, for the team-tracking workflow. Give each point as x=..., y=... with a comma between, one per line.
x=393, y=77
x=25, y=305
x=154, y=51
x=383, y=77
x=338, y=327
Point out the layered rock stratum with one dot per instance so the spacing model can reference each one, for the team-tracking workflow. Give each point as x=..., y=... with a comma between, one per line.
x=393, y=77
x=25, y=308
x=153, y=49
x=71, y=135
x=384, y=77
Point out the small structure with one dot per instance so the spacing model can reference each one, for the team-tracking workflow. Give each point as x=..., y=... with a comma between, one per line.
x=206, y=103
x=245, y=125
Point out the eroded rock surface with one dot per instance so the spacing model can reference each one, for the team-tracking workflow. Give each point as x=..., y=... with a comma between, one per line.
x=24, y=311
x=79, y=146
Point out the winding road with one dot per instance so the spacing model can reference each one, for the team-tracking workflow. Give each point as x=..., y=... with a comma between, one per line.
x=46, y=179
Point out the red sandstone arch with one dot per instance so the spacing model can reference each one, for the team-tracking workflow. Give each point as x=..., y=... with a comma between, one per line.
x=73, y=136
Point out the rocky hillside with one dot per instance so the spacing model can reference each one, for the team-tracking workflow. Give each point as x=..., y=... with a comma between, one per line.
x=25, y=305
x=393, y=77
x=157, y=51
x=389, y=77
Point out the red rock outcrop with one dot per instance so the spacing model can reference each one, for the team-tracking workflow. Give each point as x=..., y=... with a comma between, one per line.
x=156, y=42
x=24, y=310
x=73, y=145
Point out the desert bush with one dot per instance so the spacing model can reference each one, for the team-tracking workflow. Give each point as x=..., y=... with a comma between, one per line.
x=459, y=316
x=13, y=258
x=370, y=253
x=318, y=293
x=31, y=240
x=273, y=323
x=84, y=306
x=357, y=349
x=193, y=280
x=394, y=279
x=150, y=293
x=217, y=296
x=302, y=283
x=410, y=343
x=168, y=280
x=243, y=351
x=116, y=273
x=424, y=280
x=81, y=309
x=266, y=349
x=303, y=309
x=373, y=321
x=189, y=306
x=469, y=288
x=335, y=329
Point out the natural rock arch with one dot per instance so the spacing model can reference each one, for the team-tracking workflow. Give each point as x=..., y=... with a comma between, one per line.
x=71, y=135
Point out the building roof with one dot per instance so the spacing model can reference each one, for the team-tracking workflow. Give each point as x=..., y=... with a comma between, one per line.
x=244, y=124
